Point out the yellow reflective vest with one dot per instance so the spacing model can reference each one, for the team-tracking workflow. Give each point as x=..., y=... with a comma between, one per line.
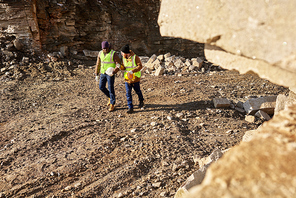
x=130, y=64
x=107, y=61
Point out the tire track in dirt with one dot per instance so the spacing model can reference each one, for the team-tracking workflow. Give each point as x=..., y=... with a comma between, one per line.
x=68, y=144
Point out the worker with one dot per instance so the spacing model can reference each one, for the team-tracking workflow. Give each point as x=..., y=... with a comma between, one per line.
x=107, y=60
x=132, y=76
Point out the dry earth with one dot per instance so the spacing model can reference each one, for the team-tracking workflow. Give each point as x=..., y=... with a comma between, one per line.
x=58, y=139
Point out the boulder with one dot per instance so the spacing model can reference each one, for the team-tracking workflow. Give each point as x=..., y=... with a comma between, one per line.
x=160, y=57
x=159, y=71
x=197, y=62
x=65, y=51
x=89, y=53
x=197, y=177
x=261, y=167
x=171, y=58
x=266, y=104
x=187, y=62
x=18, y=44
x=221, y=103
x=248, y=40
x=262, y=115
x=167, y=55
x=152, y=59
x=178, y=63
x=250, y=118
x=156, y=64
x=282, y=102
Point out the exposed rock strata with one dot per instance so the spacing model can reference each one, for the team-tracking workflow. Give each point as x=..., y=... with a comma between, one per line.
x=82, y=25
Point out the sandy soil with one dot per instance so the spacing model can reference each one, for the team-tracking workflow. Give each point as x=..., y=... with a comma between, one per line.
x=59, y=140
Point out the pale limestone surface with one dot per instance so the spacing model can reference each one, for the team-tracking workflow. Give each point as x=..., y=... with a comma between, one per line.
x=249, y=36
x=260, y=30
x=197, y=177
x=242, y=64
x=262, y=167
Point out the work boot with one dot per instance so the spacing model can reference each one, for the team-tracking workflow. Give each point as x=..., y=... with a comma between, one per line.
x=130, y=110
x=141, y=104
x=109, y=103
x=112, y=107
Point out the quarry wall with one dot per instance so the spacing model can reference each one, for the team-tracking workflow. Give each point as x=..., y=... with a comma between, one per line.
x=49, y=25
x=253, y=36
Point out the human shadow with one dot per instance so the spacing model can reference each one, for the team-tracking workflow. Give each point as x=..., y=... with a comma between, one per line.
x=189, y=106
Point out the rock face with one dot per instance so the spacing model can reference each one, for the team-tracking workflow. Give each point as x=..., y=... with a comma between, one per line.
x=266, y=170
x=82, y=25
x=256, y=30
x=18, y=18
x=248, y=36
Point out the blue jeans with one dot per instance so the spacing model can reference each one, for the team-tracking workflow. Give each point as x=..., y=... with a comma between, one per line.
x=129, y=88
x=110, y=93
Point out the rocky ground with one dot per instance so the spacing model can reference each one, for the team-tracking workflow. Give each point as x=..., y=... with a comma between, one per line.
x=59, y=140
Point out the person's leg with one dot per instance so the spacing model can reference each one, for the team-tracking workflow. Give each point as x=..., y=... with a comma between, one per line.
x=138, y=92
x=111, y=80
x=128, y=89
x=102, y=85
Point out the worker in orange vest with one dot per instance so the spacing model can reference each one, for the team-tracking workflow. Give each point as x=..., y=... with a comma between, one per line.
x=132, y=76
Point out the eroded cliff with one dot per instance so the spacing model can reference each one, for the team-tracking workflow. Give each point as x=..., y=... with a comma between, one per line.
x=49, y=25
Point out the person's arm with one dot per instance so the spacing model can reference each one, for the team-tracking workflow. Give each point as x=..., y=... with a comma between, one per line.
x=98, y=65
x=118, y=62
x=139, y=65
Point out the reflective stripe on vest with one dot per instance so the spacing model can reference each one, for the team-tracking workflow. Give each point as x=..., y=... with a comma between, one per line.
x=107, y=61
x=130, y=65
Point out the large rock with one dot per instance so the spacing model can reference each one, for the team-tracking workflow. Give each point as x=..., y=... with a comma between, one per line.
x=283, y=101
x=257, y=30
x=221, y=103
x=266, y=104
x=93, y=54
x=242, y=64
x=256, y=37
x=262, y=114
x=197, y=177
x=262, y=167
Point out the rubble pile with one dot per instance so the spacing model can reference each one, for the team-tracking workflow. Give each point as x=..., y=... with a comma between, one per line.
x=167, y=64
x=17, y=62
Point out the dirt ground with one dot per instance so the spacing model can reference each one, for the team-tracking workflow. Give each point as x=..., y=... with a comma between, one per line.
x=59, y=140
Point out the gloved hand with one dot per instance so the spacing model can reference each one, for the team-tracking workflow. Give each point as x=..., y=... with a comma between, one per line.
x=130, y=75
x=97, y=78
x=122, y=67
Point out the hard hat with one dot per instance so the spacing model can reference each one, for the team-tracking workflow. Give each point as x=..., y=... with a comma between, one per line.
x=109, y=71
x=131, y=76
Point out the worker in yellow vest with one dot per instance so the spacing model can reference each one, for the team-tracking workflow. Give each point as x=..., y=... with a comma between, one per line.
x=108, y=64
x=132, y=76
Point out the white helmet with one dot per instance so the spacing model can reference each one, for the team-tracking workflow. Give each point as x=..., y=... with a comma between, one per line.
x=109, y=71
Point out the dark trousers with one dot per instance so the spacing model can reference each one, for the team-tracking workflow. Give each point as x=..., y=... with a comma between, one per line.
x=110, y=93
x=129, y=88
